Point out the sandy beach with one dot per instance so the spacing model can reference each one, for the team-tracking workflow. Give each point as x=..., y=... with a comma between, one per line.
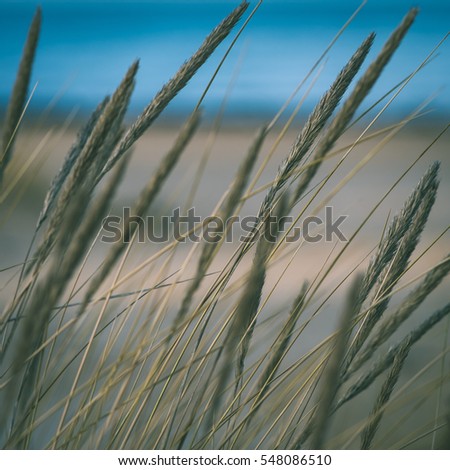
x=215, y=157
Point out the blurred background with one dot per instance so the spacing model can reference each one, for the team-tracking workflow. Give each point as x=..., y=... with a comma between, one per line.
x=86, y=46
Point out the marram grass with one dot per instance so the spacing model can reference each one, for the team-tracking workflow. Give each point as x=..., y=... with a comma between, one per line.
x=220, y=356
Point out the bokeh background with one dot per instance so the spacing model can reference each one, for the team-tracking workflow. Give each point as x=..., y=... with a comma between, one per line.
x=86, y=46
x=85, y=49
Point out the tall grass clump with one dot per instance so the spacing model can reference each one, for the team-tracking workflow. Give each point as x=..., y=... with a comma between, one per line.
x=265, y=342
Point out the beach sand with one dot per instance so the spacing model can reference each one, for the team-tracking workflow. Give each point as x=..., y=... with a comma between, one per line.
x=216, y=158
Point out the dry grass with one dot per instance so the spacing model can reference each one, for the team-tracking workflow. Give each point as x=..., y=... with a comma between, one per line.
x=157, y=355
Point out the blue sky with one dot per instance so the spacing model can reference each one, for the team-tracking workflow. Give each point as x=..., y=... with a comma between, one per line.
x=86, y=47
